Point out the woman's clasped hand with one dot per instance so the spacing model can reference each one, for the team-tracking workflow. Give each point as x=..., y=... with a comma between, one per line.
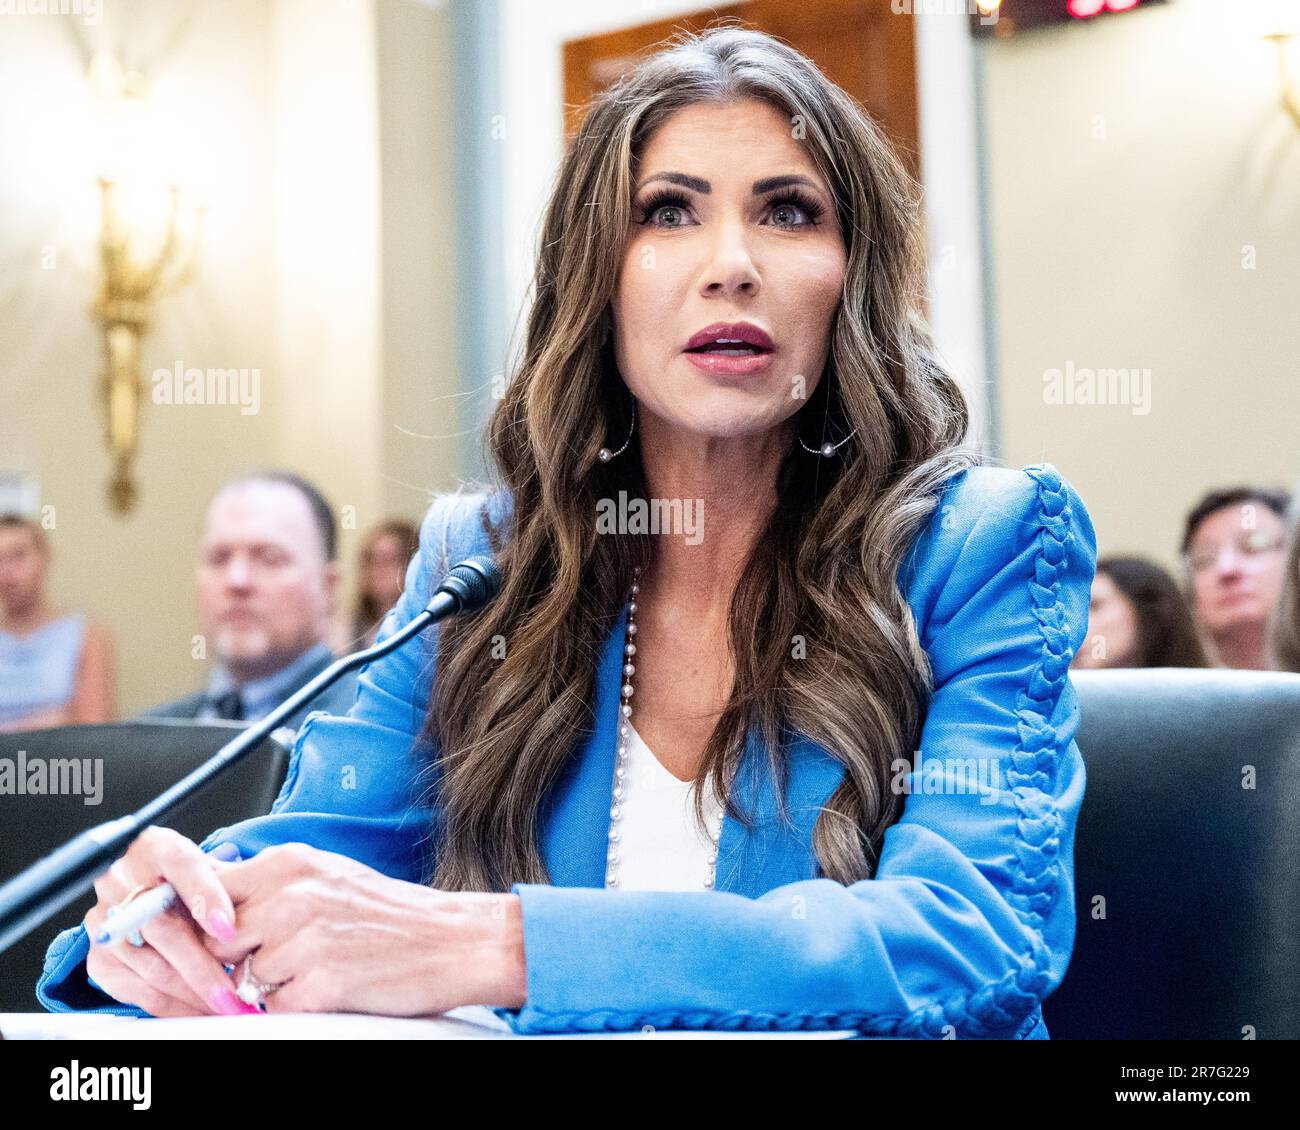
x=318, y=931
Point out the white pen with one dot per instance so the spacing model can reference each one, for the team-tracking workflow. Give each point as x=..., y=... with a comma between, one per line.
x=121, y=924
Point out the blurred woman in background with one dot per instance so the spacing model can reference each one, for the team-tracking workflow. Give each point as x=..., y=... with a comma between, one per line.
x=1138, y=617
x=55, y=669
x=386, y=552
x=1233, y=550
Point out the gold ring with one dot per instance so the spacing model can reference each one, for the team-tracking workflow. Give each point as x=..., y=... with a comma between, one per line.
x=135, y=937
x=138, y=889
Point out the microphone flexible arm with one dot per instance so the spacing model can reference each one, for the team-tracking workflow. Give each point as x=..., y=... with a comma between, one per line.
x=66, y=873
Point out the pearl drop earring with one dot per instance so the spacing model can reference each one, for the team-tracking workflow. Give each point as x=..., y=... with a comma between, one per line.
x=827, y=449
x=605, y=455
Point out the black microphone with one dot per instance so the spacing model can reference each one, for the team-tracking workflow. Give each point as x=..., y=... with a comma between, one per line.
x=48, y=885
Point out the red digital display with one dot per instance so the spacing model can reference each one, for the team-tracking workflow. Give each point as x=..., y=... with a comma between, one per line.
x=1082, y=9
x=1011, y=16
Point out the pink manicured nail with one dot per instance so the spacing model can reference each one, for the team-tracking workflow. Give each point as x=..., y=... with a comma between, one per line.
x=226, y=1003
x=220, y=925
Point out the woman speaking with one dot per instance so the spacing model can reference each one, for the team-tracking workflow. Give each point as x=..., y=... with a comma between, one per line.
x=794, y=752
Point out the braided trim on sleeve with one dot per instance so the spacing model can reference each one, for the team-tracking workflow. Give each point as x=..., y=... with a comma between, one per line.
x=1004, y=1003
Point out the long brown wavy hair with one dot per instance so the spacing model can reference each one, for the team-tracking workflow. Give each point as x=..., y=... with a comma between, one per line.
x=825, y=567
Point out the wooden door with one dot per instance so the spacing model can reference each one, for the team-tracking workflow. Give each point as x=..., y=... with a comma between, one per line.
x=861, y=45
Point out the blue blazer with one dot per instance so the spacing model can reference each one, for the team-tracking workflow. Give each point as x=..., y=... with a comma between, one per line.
x=968, y=922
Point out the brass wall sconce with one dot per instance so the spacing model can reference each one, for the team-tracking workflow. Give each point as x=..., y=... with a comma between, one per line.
x=131, y=282
x=148, y=238
x=1290, y=87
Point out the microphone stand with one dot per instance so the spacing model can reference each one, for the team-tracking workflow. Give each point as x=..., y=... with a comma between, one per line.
x=65, y=874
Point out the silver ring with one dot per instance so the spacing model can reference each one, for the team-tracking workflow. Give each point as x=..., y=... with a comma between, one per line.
x=250, y=990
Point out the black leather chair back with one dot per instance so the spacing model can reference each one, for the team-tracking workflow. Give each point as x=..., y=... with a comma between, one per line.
x=139, y=760
x=1187, y=858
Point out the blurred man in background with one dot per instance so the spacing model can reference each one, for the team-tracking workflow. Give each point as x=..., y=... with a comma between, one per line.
x=267, y=582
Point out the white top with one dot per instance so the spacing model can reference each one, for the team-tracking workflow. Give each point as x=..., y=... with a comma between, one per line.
x=661, y=845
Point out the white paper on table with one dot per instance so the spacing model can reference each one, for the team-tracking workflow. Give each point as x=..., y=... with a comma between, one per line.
x=471, y=1022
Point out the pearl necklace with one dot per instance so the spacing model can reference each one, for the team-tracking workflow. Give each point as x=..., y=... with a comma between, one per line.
x=620, y=767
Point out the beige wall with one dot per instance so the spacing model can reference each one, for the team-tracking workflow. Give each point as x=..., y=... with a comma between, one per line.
x=286, y=102
x=1135, y=163
x=418, y=132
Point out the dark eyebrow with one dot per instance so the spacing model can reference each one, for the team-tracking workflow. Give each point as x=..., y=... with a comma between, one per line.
x=698, y=184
